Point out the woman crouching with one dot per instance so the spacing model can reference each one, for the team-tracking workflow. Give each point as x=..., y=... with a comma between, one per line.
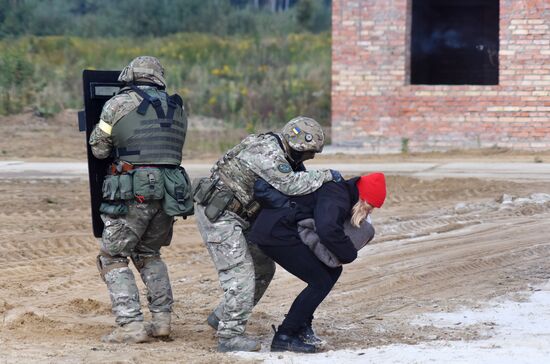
x=332, y=221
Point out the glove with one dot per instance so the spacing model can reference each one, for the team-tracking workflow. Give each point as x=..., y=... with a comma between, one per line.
x=336, y=176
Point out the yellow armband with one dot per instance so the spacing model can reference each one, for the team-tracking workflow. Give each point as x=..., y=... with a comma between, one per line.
x=107, y=128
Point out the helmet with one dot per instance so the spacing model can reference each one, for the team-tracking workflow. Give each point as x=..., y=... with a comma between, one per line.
x=304, y=134
x=143, y=68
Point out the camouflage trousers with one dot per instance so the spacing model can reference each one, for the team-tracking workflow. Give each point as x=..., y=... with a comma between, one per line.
x=139, y=235
x=243, y=269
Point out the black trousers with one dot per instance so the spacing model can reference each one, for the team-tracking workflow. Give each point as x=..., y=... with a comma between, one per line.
x=301, y=262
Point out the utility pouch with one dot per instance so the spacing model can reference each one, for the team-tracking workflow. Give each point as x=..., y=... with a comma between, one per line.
x=218, y=203
x=117, y=187
x=126, y=187
x=113, y=209
x=177, y=197
x=148, y=184
x=203, y=190
x=111, y=189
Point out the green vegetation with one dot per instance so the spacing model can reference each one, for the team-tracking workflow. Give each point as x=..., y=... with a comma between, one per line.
x=230, y=59
x=245, y=80
x=139, y=18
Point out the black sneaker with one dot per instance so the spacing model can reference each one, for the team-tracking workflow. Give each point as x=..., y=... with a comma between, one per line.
x=283, y=342
x=308, y=336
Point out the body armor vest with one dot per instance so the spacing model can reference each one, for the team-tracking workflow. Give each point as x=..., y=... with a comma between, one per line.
x=152, y=133
x=233, y=173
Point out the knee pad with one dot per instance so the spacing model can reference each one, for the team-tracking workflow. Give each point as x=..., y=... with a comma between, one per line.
x=106, y=263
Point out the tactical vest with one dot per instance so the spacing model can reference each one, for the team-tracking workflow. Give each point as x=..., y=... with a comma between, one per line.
x=152, y=133
x=235, y=174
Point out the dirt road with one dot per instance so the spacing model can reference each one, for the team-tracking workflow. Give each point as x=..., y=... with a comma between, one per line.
x=441, y=244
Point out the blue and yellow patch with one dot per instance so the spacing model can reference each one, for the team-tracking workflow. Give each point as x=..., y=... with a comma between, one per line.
x=284, y=168
x=296, y=130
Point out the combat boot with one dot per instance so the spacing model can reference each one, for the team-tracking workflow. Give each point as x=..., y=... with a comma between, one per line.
x=133, y=332
x=238, y=343
x=289, y=342
x=308, y=336
x=159, y=325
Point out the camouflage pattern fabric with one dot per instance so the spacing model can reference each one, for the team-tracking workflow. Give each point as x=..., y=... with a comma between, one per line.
x=113, y=110
x=124, y=294
x=139, y=235
x=304, y=134
x=244, y=271
x=154, y=274
x=261, y=156
x=143, y=68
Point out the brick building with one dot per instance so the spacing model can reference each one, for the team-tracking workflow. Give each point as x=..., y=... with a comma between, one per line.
x=440, y=74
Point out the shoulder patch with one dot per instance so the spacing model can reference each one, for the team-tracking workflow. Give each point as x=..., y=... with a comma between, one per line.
x=284, y=168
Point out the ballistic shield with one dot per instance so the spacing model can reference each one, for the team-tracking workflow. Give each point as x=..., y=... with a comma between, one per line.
x=98, y=87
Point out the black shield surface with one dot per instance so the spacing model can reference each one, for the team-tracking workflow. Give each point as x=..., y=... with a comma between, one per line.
x=99, y=86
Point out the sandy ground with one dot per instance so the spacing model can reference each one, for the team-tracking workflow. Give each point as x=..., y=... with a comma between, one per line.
x=512, y=332
x=442, y=245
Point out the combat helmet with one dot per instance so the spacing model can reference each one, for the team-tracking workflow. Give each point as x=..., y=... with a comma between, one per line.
x=145, y=69
x=304, y=134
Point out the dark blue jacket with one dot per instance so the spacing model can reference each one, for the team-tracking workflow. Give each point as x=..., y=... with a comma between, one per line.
x=329, y=206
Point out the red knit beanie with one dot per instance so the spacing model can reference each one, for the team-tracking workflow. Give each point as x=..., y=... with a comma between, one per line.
x=372, y=188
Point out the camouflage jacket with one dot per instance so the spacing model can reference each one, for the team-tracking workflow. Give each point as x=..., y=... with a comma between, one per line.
x=262, y=156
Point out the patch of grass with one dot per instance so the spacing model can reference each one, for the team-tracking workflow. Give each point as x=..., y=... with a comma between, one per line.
x=248, y=81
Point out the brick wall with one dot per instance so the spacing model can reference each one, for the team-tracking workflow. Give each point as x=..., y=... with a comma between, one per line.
x=375, y=107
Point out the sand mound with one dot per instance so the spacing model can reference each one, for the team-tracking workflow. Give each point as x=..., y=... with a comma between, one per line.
x=88, y=306
x=31, y=319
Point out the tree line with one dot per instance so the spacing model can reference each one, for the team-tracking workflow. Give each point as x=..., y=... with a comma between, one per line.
x=144, y=18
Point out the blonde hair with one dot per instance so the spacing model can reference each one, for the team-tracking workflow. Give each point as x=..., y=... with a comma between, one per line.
x=359, y=212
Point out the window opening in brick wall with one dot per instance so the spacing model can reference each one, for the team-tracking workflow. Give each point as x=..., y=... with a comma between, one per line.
x=454, y=42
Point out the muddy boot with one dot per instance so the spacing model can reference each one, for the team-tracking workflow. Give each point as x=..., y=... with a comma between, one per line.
x=159, y=325
x=133, y=332
x=283, y=341
x=238, y=343
x=307, y=335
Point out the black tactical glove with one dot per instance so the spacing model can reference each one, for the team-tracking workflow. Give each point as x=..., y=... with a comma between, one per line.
x=336, y=176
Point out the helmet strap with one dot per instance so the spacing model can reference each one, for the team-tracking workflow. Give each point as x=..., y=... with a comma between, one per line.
x=296, y=156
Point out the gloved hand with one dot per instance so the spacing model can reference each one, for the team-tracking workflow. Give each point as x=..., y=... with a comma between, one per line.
x=336, y=176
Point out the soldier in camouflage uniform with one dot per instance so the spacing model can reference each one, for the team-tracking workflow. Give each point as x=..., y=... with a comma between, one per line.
x=129, y=129
x=225, y=210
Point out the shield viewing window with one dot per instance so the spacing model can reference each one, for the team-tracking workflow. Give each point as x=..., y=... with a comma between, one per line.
x=454, y=42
